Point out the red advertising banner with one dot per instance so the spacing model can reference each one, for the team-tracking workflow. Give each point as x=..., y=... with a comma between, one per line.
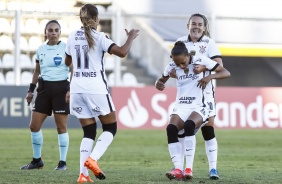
x=148, y=108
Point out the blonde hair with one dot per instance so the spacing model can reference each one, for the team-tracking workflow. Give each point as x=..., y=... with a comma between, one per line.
x=88, y=13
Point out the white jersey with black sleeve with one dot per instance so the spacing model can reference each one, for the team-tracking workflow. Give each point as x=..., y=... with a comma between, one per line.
x=88, y=64
x=205, y=46
x=189, y=95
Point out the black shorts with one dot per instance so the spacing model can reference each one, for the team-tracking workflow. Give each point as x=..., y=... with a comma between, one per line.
x=51, y=97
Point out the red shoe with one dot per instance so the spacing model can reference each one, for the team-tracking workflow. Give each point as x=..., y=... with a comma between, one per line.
x=94, y=167
x=188, y=175
x=84, y=179
x=175, y=174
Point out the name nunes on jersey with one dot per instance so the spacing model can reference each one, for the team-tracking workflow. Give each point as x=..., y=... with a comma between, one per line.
x=84, y=74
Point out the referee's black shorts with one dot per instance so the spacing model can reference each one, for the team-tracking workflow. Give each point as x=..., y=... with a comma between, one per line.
x=51, y=97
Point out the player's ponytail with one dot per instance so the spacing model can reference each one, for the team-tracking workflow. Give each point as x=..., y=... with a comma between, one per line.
x=88, y=13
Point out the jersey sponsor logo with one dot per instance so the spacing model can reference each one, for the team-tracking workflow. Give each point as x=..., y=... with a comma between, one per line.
x=186, y=100
x=77, y=109
x=197, y=62
x=96, y=109
x=172, y=64
x=205, y=40
x=203, y=111
x=189, y=76
x=79, y=33
x=202, y=49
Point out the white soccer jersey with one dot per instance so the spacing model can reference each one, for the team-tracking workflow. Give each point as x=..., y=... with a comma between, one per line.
x=204, y=46
x=88, y=66
x=188, y=93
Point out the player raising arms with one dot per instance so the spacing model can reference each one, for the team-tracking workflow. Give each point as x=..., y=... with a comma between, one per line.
x=89, y=93
x=189, y=112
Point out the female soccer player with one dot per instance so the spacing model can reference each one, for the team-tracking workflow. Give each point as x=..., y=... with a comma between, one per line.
x=189, y=112
x=199, y=41
x=89, y=93
x=52, y=91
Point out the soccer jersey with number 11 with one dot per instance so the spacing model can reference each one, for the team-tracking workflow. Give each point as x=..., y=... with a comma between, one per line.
x=88, y=64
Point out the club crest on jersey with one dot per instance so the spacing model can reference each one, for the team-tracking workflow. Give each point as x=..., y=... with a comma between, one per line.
x=186, y=70
x=202, y=49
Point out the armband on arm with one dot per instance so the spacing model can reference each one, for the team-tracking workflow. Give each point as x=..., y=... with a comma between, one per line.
x=31, y=88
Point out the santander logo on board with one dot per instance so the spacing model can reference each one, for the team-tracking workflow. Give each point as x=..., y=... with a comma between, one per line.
x=147, y=107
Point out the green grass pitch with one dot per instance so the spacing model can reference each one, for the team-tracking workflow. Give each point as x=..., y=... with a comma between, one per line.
x=141, y=157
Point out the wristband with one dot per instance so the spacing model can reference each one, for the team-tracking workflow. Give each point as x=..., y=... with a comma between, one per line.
x=31, y=88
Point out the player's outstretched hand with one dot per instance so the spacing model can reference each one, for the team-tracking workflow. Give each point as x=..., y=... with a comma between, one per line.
x=133, y=33
x=159, y=85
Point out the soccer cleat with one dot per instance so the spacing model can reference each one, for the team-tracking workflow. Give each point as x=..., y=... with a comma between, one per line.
x=94, y=167
x=62, y=165
x=175, y=174
x=214, y=174
x=84, y=179
x=33, y=165
x=188, y=175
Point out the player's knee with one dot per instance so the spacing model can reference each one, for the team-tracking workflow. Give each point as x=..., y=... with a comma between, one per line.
x=110, y=128
x=208, y=132
x=90, y=131
x=172, y=132
x=189, y=128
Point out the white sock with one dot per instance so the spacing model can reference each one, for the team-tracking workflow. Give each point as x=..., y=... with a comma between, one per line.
x=175, y=155
x=102, y=144
x=211, y=151
x=182, y=156
x=190, y=147
x=85, y=150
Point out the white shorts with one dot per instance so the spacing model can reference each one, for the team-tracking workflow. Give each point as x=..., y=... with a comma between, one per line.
x=210, y=105
x=90, y=105
x=184, y=113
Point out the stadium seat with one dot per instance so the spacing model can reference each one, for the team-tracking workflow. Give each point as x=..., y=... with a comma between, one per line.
x=2, y=79
x=33, y=59
x=42, y=25
x=111, y=8
x=13, y=25
x=14, y=5
x=2, y=5
x=64, y=39
x=0, y=63
x=8, y=61
x=74, y=24
x=10, y=78
x=129, y=79
x=109, y=63
x=32, y=26
x=5, y=26
x=26, y=78
x=101, y=9
x=111, y=79
x=28, y=6
x=34, y=42
x=42, y=7
x=25, y=62
x=64, y=26
x=23, y=44
x=9, y=44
